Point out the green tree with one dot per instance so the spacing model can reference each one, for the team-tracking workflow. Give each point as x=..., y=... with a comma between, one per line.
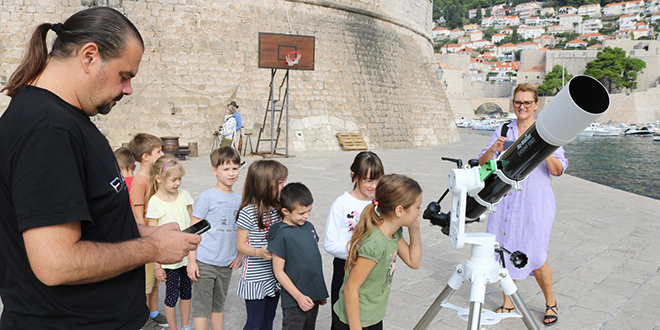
x=489, y=32
x=632, y=67
x=515, y=37
x=592, y=42
x=553, y=81
x=612, y=68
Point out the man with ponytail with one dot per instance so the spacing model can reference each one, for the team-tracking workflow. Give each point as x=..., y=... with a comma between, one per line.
x=72, y=255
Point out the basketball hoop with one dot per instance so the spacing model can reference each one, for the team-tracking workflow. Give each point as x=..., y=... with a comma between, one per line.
x=292, y=58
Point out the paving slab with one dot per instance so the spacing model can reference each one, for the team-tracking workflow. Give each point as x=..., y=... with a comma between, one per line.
x=603, y=247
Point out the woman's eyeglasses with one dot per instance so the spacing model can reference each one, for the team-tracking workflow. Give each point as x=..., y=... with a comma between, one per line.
x=527, y=104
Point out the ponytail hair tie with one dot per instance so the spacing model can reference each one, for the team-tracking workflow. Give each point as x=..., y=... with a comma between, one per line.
x=375, y=202
x=165, y=166
x=57, y=28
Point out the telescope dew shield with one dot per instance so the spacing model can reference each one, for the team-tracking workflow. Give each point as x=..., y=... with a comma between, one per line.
x=582, y=101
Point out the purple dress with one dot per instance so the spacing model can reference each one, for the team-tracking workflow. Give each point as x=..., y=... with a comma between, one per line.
x=523, y=219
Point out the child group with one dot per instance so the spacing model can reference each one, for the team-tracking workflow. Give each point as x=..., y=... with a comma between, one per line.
x=266, y=232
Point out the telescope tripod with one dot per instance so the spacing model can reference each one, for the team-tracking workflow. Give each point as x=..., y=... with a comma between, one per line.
x=480, y=270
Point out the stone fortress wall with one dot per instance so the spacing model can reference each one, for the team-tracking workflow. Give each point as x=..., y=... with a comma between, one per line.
x=374, y=69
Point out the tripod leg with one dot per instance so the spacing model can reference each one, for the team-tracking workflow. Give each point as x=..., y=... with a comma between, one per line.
x=454, y=283
x=433, y=310
x=474, y=319
x=527, y=316
x=477, y=296
x=511, y=290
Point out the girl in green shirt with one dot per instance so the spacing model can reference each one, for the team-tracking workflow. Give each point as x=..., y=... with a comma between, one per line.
x=377, y=240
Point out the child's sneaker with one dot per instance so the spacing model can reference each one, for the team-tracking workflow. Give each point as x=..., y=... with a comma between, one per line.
x=161, y=320
x=151, y=325
x=187, y=327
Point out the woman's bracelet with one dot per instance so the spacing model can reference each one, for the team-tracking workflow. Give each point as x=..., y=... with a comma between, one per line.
x=159, y=267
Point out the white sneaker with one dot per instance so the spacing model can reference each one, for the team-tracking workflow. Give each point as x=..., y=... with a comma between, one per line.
x=187, y=327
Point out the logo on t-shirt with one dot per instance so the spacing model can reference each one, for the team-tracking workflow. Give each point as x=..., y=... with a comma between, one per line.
x=353, y=218
x=391, y=266
x=118, y=183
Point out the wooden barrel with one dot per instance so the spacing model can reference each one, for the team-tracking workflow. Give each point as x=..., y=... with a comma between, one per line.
x=170, y=143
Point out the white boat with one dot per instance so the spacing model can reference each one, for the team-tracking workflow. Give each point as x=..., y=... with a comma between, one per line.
x=463, y=123
x=485, y=125
x=656, y=137
x=638, y=131
x=605, y=130
x=589, y=131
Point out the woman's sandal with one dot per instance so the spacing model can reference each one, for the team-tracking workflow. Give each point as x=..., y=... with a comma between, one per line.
x=553, y=318
x=502, y=309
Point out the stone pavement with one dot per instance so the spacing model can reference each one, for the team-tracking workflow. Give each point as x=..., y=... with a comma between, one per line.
x=603, y=249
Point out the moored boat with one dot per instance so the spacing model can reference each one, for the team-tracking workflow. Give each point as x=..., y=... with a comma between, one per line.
x=589, y=131
x=656, y=137
x=605, y=130
x=638, y=131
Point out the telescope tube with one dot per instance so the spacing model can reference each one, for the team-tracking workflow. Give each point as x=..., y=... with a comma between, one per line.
x=582, y=101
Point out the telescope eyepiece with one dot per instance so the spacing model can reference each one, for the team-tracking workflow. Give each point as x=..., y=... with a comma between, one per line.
x=433, y=213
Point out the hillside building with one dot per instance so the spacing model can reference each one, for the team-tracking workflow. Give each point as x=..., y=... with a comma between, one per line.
x=590, y=36
x=534, y=75
x=567, y=10
x=576, y=43
x=530, y=32
x=497, y=37
x=592, y=10
x=592, y=25
x=613, y=9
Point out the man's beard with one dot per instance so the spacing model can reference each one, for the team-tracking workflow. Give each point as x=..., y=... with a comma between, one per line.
x=105, y=108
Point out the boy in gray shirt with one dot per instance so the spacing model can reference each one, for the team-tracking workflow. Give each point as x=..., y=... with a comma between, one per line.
x=297, y=263
x=210, y=267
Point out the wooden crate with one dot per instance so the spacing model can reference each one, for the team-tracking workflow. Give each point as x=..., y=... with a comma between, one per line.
x=351, y=141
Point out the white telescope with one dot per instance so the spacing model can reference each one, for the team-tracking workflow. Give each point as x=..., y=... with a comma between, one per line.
x=476, y=189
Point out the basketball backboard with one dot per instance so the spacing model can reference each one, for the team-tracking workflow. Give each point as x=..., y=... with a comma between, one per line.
x=273, y=48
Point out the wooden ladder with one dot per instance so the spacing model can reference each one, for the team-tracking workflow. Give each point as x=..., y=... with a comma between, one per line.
x=351, y=141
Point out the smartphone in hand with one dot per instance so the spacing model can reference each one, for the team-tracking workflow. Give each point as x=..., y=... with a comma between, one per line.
x=198, y=228
x=508, y=143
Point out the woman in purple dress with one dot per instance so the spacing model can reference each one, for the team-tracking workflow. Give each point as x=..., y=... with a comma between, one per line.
x=523, y=220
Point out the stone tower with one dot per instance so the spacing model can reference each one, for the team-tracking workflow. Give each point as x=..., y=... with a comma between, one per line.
x=375, y=71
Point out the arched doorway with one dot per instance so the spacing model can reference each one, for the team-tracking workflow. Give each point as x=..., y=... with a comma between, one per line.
x=490, y=108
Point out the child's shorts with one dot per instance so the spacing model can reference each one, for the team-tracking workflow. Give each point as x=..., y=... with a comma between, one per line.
x=150, y=278
x=210, y=290
x=295, y=318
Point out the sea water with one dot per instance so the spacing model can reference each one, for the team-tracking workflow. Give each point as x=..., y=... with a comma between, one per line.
x=629, y=163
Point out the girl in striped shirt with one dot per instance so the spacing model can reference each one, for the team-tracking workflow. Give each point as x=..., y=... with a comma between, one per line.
x=258, y=211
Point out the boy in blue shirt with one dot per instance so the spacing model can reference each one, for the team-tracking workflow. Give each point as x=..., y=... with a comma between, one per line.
x=210, y=267
x=297, y=263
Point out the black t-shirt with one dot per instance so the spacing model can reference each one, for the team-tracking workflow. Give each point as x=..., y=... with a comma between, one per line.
x=298, y=246
x=58, y=168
